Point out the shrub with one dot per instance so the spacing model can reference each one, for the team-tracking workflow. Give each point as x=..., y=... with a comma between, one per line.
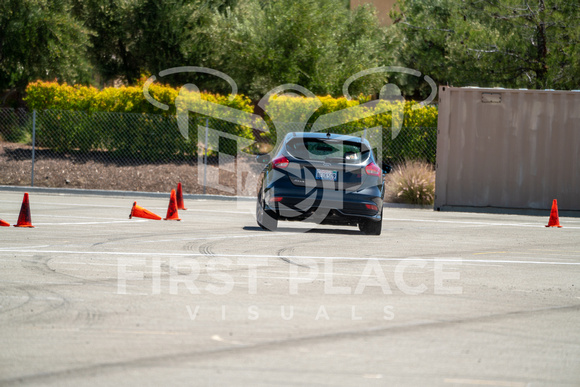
x=52, y=95
x=412, y=182
x=417, y=138
x=14, y=125
x=84, y=118
x=157, y=136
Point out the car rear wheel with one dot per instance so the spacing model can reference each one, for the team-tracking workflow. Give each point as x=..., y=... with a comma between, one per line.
x=371, y=227
x=265, y=220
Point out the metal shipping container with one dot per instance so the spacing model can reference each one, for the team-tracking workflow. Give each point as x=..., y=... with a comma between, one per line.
x=508, y=149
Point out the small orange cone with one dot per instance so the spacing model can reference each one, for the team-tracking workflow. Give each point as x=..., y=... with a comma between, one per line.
x=4, y=223
x=180, y=205
x=172, y=209
x=140, y=212
x=554, y=219
x=24, y=217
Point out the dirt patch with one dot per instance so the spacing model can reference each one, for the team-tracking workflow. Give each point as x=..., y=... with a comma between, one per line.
x=96, y=170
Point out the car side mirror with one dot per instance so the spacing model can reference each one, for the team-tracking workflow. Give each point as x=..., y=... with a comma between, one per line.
x=263, y=159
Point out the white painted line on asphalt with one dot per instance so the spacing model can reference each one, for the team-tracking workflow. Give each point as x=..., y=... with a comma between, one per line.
x=571, y=255
x=534, y=225
x=372, y=376
x=485, y=382
x=220, y=339
x=216, y=211
x=265, y=234
x=82, y=263
x=91, y=223
x=287, y=278
x=557, y=251
x=40, y=204
x=464, y=263
x=44, y=283
x=319, y=273
x=256, y=256
x=74, y=217
x=27, y=247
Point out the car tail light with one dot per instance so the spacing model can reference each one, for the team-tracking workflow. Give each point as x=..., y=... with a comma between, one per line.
x=372, y=207
x=280, y=162
x=373, y=170
x=275, y=199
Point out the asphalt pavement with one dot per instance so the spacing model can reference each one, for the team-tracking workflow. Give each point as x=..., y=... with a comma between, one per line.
x=89, y=297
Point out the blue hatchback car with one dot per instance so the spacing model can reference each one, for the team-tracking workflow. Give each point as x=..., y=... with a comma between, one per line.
x=323, y=178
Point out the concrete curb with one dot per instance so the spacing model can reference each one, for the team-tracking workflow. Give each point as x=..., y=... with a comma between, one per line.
x=74, y=191
x=409, y=206
x=510, y=211
x=77, y=191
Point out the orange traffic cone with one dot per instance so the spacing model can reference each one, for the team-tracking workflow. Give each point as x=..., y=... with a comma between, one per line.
x=180, y=205
x=4, y=224
x=172, y=209
x=554, y=219
x=24, y=217
x=140, y=212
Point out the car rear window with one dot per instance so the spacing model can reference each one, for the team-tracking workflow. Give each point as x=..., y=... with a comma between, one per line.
x=327, y=150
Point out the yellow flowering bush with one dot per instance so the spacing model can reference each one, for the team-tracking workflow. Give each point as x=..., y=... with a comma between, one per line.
x=408, y=129
x=78, y=118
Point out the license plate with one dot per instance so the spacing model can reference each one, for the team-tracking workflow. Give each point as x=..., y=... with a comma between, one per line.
x=322, y=174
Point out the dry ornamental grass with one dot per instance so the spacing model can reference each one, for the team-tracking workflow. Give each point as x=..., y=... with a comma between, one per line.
x=412, y=182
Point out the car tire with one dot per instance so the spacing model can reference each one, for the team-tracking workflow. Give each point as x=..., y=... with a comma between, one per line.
x=371, y=227
x=265, y=220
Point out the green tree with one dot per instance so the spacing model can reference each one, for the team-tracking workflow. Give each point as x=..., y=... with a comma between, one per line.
x=112, y=40
x=40, y=39
x=531, y=44
x=136, y=37
x=173, y=33
x=420, y=32
x=507, y=43
x=315, y=44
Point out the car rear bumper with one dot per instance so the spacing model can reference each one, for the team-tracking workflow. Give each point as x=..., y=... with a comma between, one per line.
x=325, y=206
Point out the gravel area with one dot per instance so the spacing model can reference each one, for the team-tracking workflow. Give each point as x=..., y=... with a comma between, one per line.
x=95, y=171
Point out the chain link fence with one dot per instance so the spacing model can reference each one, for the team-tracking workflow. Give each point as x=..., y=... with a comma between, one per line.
x=145, y=152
